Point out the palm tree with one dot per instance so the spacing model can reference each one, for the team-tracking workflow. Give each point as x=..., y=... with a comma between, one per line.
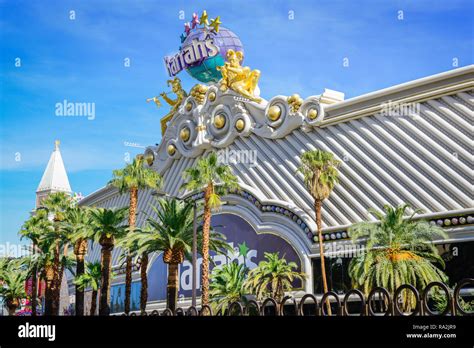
x=399, y=250
x=206, y=175
x=90, y=278
x=13, y=288
x=172, y=233
x=45, y=262
x=56, y=204
x=76, y=226
x=106, y=229
x=130, y=179
x=272, y=277
x=4, y=261
x=227, y=285
x=319, y=169
x=32, y=229
x=33, y=265
x=130, y=244
x=56, y=260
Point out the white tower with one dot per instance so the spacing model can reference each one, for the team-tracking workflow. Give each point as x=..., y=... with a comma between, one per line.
x=55, y=180
x=54, y=177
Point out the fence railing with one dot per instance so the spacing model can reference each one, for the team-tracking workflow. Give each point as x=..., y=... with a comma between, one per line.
x=379, y=302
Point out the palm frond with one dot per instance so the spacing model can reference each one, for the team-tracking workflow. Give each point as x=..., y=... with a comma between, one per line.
x=399, y=250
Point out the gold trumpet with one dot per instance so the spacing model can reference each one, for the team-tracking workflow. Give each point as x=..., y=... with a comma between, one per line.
x=156, y=100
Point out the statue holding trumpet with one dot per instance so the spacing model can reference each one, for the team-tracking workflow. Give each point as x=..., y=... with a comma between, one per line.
x=180, y=93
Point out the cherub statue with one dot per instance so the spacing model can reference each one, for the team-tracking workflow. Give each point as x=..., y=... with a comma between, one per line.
x=238, y=78
x=175, y=103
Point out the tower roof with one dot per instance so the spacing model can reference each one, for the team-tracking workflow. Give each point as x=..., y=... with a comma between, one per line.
x=55, y=176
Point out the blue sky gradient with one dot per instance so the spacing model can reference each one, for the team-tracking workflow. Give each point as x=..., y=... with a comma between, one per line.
x=82, y=60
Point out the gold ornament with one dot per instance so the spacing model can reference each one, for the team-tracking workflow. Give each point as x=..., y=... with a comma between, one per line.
x=274, y=112
x=212, y=96
x=240, y=125
x=238, y=78
x=312, y=114
x=171, y=149
x=185, y=134
x=189, y=106
x=149, y=158
x=203, y=19
x=294, y=102
x=198, y=92
x=215, y=24
x=155, y=100
x=219, y=121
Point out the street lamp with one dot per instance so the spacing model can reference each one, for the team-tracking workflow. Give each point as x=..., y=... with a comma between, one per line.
x=194, y=257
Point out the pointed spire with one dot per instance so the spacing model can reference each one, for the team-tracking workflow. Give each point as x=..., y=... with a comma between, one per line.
x=54, y=177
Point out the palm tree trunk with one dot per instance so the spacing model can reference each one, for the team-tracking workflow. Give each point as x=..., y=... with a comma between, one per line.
x=128, y=270
x=79, y=271
x=59, y=280
x=317, y=208
x=12, y=306
x=144, y=279
x=55, y=286
x=34, y=292
x=128, y=283
x=48, y=303
x=106, y=265
x=205, y=248
x=56, y=297
x=34, y=287
x=172, y=287
x=278, y=292
x=93, y=302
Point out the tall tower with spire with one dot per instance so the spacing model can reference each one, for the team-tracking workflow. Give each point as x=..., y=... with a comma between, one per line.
x=54, y=177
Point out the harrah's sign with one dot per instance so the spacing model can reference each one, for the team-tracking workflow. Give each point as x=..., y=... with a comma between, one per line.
x=190, y=55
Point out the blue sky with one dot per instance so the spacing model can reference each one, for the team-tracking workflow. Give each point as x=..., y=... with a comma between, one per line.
x=82, y=60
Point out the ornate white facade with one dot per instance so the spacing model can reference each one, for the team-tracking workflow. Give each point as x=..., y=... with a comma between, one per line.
x=423, y=158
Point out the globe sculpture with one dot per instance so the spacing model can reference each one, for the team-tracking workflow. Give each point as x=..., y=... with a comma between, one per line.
x=205, y=69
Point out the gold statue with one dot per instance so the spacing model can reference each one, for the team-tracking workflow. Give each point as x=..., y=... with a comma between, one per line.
x=175, y=103
x=238, y=78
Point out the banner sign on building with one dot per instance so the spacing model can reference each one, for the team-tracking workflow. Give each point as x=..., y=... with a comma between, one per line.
x=117, y=297
x=248, y=248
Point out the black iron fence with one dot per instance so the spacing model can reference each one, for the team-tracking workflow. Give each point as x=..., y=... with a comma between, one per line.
x=379, y=302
